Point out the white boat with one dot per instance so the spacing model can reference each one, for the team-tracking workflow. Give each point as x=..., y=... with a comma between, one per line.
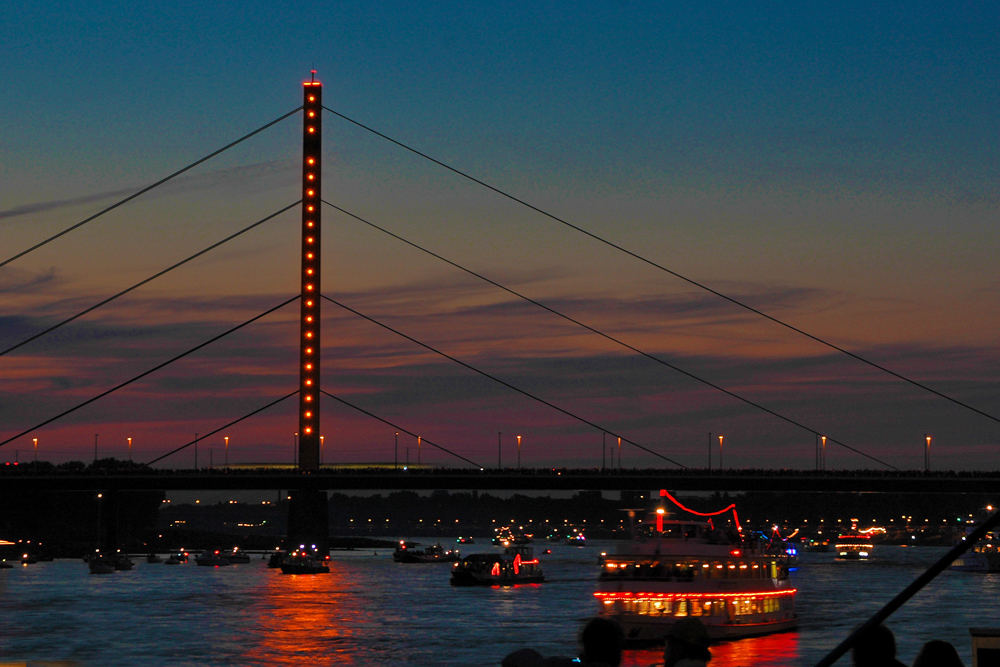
x=686, y=568
x=984, y=556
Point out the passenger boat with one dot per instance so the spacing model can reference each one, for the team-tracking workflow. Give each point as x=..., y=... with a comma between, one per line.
x=212, y=559
x=304, y=562
x=432, y=554
x=682, y=568
x=853, y=546
x=516, y=565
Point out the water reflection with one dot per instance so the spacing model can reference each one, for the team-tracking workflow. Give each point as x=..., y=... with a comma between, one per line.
x=302, y=617
x=779, y=649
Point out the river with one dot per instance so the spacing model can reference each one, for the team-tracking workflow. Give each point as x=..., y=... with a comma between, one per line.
x=372, y=611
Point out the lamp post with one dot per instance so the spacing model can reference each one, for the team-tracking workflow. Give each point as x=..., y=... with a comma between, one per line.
x=226, y=438
x=619, y=453
x=822, y=454
x=396, y=456
x=130, y=449
x=499, y=435
x=418, y=450
x=321, y=449
x=720, y=452
x=99, y=496
x=295, y=449
x=95, y=448
x=518, y=452
x=36, y=449
x=196, y=452
x=927, y=453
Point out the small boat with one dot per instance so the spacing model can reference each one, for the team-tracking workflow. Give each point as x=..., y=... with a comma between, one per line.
x=404, y=547
x=465, y=540
x=153, y=558
x=678, y=568
x=432, y=554
x=235, y=556
x=576, y=540
x=516, y=565
x=28, y=559
x=4, y=565
x=303, y=562
x=506, y=537
x=276, y=559
x=212, y=559
x=122, y=562
x=101, y=564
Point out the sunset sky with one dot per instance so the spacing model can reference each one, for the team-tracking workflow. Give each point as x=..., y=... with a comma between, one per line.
x=835, y=166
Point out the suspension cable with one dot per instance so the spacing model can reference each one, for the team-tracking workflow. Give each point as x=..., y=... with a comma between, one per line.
x=506, y=384
x=650, y=262
x=222, y=428
x=399, y=428
x=149, y=187
x=149, y=279
x=669, y=365
x=151, y=370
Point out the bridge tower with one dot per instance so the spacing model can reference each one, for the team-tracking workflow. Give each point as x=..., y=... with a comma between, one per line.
x=308, y=512
x=309, y=325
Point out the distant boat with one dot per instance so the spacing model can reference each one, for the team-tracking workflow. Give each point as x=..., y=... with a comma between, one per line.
x=465, y=540
x=516, y=565
x=276, y=559
x=577, y=540
x=303, y=562
x=235, y=556
x=854, y=546
x=122, y=562
x=212, y=559
x=982, y=557
x=4, y=565
x=101, y=564
x=432, y=554
x=153, y=558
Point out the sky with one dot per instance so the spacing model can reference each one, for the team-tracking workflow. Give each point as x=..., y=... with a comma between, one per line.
x=833, y=165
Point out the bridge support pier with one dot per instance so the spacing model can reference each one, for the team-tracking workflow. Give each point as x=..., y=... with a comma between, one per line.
x=309, y=521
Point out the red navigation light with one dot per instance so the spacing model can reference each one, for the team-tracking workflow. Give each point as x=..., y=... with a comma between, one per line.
x=735, y=552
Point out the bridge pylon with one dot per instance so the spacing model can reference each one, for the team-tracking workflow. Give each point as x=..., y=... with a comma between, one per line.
x=308, y=513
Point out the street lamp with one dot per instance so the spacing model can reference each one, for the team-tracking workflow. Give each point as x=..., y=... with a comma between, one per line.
x=396, y=458
x=95, y=448
x=720, y=452
x=226, y=438
x=418, y=450
x=130, y=449
x=619, y=453
x=196, y=452
x=927, y=453
x=822, y=454
x=295, y=449
x=36, y=449
x=321, y=449
x=499, y=434
x=518, y=452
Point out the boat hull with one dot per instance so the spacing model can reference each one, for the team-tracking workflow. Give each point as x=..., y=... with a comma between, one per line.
x=977, y=562
x=650, y=630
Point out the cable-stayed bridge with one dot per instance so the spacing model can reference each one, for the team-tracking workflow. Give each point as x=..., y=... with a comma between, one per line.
x=310, y=392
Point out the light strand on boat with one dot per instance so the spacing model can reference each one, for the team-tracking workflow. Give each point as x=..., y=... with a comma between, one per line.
x=666, y=494
x=640, y=597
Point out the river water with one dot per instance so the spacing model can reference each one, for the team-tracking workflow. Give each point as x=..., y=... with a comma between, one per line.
x=372, y=611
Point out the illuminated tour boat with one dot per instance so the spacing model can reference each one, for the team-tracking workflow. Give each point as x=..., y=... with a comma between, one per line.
x=854, y=545
x=984, y=556
x=688, y=568
x=516, y=565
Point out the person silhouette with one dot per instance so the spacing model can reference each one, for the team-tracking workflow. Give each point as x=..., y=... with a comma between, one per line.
x=875, y=647
x=937, y=653
x=686, y=644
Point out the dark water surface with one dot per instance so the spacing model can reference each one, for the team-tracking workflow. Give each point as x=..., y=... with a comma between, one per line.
x=372, y=611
